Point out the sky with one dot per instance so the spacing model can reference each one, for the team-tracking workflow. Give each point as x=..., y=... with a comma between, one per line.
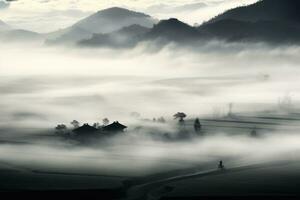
x=50, y=15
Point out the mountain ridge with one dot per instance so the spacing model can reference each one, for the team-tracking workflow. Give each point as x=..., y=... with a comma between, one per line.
x=102, y=22
x=268, y=10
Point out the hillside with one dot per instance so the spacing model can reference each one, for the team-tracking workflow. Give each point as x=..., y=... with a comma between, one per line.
x=125, y=37
x=271, y=21
x=173, y=30
x=102, y=22
x=266, y=10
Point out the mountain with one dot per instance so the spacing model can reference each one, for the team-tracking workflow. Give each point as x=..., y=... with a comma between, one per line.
x=264, y=10
x=104, y=21
x=125, y=37
x=9, y=35
x=259, y=31
x=19, y=35
x=271, y=21
x=173, y=30
x=112, y=19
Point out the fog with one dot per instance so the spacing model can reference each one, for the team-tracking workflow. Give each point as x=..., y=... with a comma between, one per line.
x=43, y=86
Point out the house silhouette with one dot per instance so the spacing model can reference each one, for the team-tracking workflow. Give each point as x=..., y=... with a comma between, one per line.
x=85, y=129
x=115, y=127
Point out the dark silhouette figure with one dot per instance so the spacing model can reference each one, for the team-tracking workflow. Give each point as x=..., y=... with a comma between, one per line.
x=221, y=166
x=197, y=126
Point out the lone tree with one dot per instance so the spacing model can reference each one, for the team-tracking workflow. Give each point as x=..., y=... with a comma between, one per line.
x=105, y=122
x=75, y=124
x=61, y=129
x=180, y=116
x=197, y=126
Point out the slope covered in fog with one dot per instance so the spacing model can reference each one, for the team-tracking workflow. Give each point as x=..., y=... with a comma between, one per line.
x=112, y=19
x=174, y=30
x=125, y=37
x=266, y=10
x=9, y=34
x=260, y=31
x=272, y=21
x=165, y=31
x=104, y=21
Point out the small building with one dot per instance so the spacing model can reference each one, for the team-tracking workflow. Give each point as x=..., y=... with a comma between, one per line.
x=115, y=127
x=86, y=129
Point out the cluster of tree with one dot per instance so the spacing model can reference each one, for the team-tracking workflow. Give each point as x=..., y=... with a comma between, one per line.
x=159, y=120
x=181, y=116
x=62, y=129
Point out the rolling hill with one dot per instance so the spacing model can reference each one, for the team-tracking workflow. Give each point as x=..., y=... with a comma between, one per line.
x=264, y=10
x=125, y=37
x=271, y=21
x=102, y=22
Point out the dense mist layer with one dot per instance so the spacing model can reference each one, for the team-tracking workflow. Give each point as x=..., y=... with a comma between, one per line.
x=57, y=85
x=41, y=87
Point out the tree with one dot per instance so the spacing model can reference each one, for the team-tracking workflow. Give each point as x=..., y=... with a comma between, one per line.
x=180, y=116
x=75, y=124
x=61, y=129
x=105, y=122
x=197, y=126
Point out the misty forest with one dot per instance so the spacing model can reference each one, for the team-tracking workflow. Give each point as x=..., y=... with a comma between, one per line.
x=150, y=100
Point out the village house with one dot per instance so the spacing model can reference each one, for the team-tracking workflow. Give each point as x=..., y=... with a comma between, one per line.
x=90, y=131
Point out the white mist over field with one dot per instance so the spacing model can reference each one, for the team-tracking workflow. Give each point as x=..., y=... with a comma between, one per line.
x=43, y=86
x=51, y=85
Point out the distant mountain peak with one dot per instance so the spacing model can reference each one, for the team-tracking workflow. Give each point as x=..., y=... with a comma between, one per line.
x=112, y=19
x=172, y=24
x=174, y=30
x=104, y=22
x=120, y=12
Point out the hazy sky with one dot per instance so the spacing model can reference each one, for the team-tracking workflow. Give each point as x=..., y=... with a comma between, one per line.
x=49, y=15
